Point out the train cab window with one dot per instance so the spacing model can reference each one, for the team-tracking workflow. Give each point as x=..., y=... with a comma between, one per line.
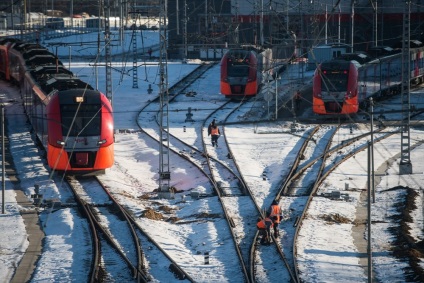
x=236, y=70
x=85, y=123
x=334, y=81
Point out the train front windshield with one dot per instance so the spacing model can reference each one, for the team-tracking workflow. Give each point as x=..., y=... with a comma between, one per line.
x=334, y=81
x=238, y=70
x=87, y=120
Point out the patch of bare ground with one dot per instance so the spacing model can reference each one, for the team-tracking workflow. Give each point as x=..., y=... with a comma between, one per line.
x=334, y=218
x=404, y=246
x=144, y=197
x=201, y=217
x=152, y=214
x=166, y=209
x=155, y=215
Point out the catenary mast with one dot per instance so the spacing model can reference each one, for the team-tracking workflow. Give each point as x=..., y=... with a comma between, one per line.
x=108, y=56
x=164, y=173
x=405, y=166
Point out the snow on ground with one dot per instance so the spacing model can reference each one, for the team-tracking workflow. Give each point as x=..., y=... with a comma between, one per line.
x=14, y=241
x=327, y=252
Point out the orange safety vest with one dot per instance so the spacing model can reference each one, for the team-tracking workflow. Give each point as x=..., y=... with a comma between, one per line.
x=261, y=224
x=275, y=212
x=215, y=131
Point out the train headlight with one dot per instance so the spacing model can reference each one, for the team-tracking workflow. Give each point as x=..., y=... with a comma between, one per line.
x=79, y=99
x=101, y=142
x=62, y=143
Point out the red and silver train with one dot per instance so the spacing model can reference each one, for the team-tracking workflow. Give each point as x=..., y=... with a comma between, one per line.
x=343, y=86
x=241, y=72
x=73, y=121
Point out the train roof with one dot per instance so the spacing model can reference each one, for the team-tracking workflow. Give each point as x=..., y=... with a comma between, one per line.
x=238, y=53
x=380, y=51
x=3, y=41
x=338, y=64
x=45, y=73
x=360, y=57
x=23, y=46
x=33, y=52
x=412, y=44
x=42, y=60
x=63, y=82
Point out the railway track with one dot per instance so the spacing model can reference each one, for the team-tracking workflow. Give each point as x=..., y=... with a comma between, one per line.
x=251, y=244
x=118, y=238
x=301, y=188
x=230, y=194
x=245, y=240
x=115, y=255
x=230, y=187
x=229, y=183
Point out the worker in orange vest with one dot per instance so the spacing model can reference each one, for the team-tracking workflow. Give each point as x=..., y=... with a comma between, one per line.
x=275, y=215
x=210, y=127
x=215, y=133
x=264, y=226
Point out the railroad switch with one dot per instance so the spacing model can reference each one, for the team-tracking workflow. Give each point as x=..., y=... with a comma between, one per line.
x=191, y=93
x=206, y=254
x=337, y=195
x=37, y=197
x=189, y=115
x=293, y=127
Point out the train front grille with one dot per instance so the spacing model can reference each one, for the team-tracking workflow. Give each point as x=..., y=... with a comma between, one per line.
x=333, y=107
x=83, y=159
x=237, y=89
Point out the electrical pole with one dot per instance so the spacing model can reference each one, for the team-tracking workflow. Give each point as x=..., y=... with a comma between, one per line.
x=261, y=24
x=374, y=7
x=375, y=24
x=369, y=251
x=107, y=52
x=352, y=24
x=287, y=17
x=71, y=13
x=164, y=172
x=405, y=166
x=3, y=179
x=12, y=14
x=185, y=30
x=135, y=17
